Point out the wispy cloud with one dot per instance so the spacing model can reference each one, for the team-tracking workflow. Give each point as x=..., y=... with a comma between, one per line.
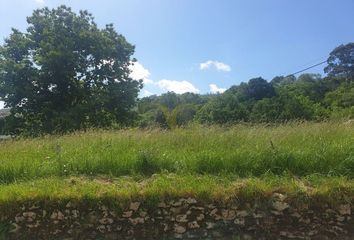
x=177, y=86
x=220, y=66
x=215, y=89
x=138, y=72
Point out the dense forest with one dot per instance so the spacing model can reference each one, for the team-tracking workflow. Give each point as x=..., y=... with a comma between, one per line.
x=307, y=97
x=65, y=74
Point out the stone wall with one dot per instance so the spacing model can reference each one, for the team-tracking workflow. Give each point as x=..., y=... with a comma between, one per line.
x=184, y=218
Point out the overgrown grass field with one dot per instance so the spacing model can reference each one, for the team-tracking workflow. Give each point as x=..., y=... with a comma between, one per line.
x=298, y=148
x=247, y=161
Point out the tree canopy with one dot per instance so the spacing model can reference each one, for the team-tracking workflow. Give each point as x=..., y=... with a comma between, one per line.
x=65, y=73
x=341, y=61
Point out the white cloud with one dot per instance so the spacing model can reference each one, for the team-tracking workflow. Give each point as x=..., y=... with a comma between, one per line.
x=145, y=93
x=177, y=86
x=41, y=2
x=220, y=66
x=138, y=71
x=216, y=89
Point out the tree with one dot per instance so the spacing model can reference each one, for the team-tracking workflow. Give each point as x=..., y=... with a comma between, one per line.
x=284, y=107
x=256, y=89
x=267, y=110
x=65, y=73
x=281, y=80
x=169, y=100
x=341, y=61
x=4, y=113
x=225, y=108
x=185, y=114
x=193, y=98
x=161, y=118
x=311, y=86
x=308, y=85
x=341, y=101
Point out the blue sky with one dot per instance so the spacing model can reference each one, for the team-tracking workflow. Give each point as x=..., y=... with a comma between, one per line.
x=209, y=45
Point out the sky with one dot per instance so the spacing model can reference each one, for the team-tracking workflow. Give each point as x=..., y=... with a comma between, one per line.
x=206, y=46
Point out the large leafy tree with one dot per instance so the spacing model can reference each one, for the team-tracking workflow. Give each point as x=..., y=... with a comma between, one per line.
x=65, y=73
x=341, y=61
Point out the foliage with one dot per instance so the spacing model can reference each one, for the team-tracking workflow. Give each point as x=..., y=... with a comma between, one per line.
x=256, y=89
x=308, y=97
x=341, y=61
x=64, y=73
x=341, y=101
x=185, y=113
x=225, y=108
x=170, y=109
x=285, y=98
x=286, y=107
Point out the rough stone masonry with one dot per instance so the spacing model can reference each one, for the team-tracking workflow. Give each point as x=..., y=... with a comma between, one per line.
x=184, y=218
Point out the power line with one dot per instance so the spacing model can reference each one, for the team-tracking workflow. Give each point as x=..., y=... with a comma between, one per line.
x=317, y=64
x=313, y=61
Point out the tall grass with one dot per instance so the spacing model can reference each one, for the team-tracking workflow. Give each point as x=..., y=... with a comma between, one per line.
x=205, y=188
x=297, y=148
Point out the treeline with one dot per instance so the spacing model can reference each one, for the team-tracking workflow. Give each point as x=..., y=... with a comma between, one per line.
x=64, y=73
x=308, y=97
